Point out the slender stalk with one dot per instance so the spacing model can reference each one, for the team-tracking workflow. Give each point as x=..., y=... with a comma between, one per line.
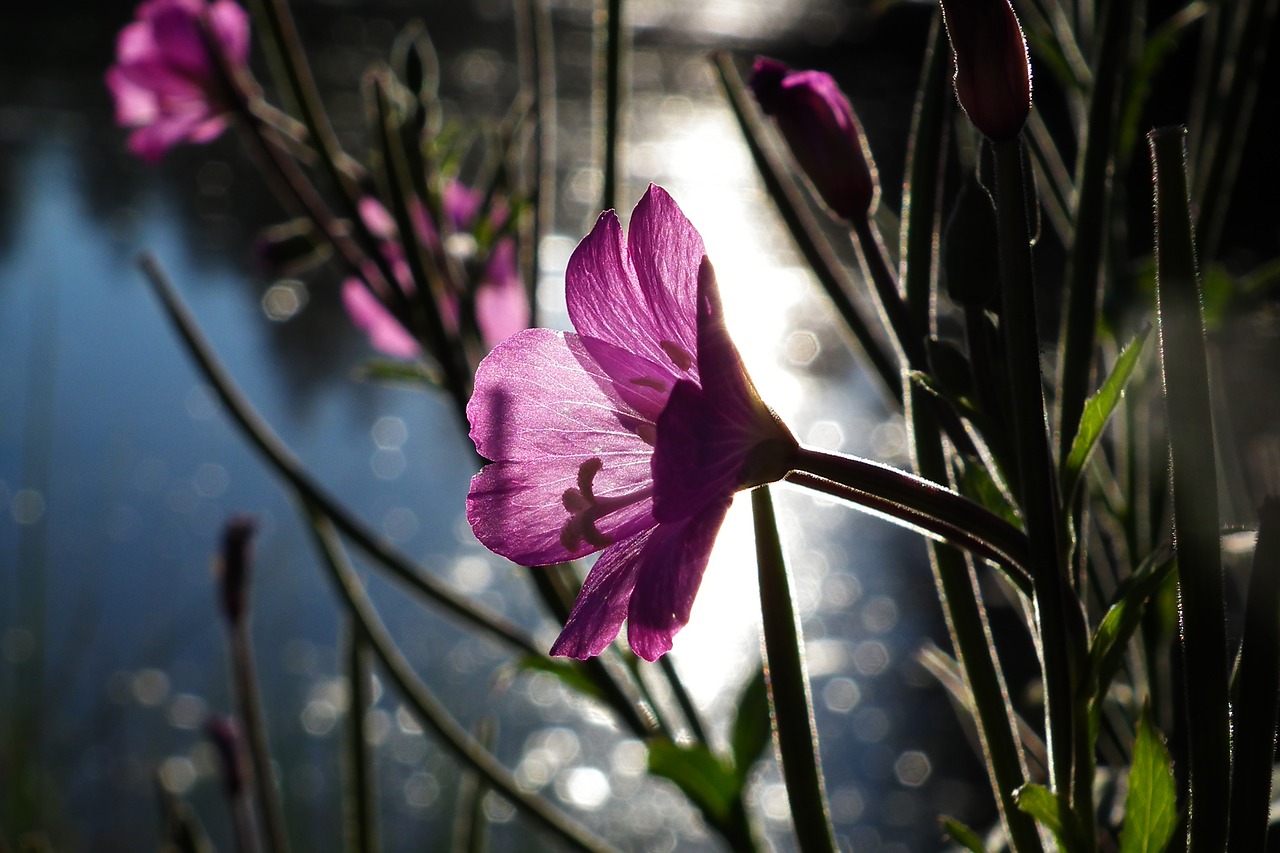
x=1219, y=162
x=291, y=469
x=690, y=711
x=1086, y=261
x=362, y=780
x=609, y=58
x=788, y=683
x=1196, y=519
x=253, y=718
x=1061, y=632
x=916, y=502
x=429, y=710
x=1257, y=689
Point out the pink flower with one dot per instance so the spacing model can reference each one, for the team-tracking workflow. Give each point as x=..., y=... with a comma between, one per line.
x=823, y=133
x=165, y=82
x=630, y=436
x=501, y=303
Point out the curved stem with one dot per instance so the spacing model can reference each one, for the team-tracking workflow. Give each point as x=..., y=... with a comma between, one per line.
x=290, y=468
x=917, y=503
x=428, y=708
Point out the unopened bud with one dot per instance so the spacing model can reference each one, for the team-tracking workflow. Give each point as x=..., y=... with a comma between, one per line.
x=992, y=71
x=232, y=567
x=823, y=133
x=224, y=734
x=970, y=249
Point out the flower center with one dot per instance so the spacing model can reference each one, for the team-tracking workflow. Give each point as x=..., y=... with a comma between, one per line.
x=586, y=508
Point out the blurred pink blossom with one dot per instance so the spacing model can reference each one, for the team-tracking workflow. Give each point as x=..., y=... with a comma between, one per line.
x=165, y=82
x=501, y=303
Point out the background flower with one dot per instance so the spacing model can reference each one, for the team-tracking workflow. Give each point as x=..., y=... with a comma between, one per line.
x=165, y=82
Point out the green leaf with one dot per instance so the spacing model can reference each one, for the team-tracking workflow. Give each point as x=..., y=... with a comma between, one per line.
x=752, y=728
x=1097, y=411
x=962, y=835
x=706, y=779
x=570, y=674
x=390, y=370
x=1039, y=802
x=1122, y=619
x=1150, y=810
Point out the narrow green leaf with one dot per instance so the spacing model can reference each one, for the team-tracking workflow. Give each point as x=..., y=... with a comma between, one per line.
x=1122, y=618
x=707, y=780
x=1196, y=521
x=389, y=370
x=788, y=683
x=1097, y=411
x=962, y=835
x=751, y=731
x=1257, y=689
x=1043, y=805
x=1150, y=809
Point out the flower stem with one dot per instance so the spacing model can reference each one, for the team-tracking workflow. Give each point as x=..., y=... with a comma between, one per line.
x=1196, y=519
x=253, y=718
x=788, y=685
x=300, y=480
x=429, y=710
x=1061, y=637
x=918, y=503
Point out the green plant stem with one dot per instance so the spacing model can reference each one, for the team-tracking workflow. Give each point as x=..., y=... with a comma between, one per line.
x=1086, y=264
x=971, y=638
x=362, y=780
x=609, y=58
x=684, y=700
x=253, y=718
x=1196, y=520
x=429, y=710
x=1218, y=164
x=289, y=468
x=917, y=503
x=1060, y=636
x=788, y=684
x=807, y=234
x=1257, y=688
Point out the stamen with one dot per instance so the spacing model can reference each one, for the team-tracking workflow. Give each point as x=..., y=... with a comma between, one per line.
x=678, y=355
x=585, y=509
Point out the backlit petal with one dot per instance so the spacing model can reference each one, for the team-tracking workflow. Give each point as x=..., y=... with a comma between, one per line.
x=602, y=604
x=643, y=297
x=667, y=579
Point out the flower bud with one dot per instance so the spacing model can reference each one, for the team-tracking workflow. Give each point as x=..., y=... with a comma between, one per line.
x=823, y=133
x=992, y=72
x=232, y=567
x=224, y=734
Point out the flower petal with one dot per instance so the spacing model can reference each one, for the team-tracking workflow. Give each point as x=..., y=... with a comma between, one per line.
x=706, y=434
x=571, y=471
x=372, y=317
x=643, y=297
x=518, y=510
x=602, y=603
x=667, y=579
x=502, y=305
x=229, y=22
x=541, y=394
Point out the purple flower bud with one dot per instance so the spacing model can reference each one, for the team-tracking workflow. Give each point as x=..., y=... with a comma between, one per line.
x=823, y=133
x=224, y=734
x=232, y=567
x=993, y=74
